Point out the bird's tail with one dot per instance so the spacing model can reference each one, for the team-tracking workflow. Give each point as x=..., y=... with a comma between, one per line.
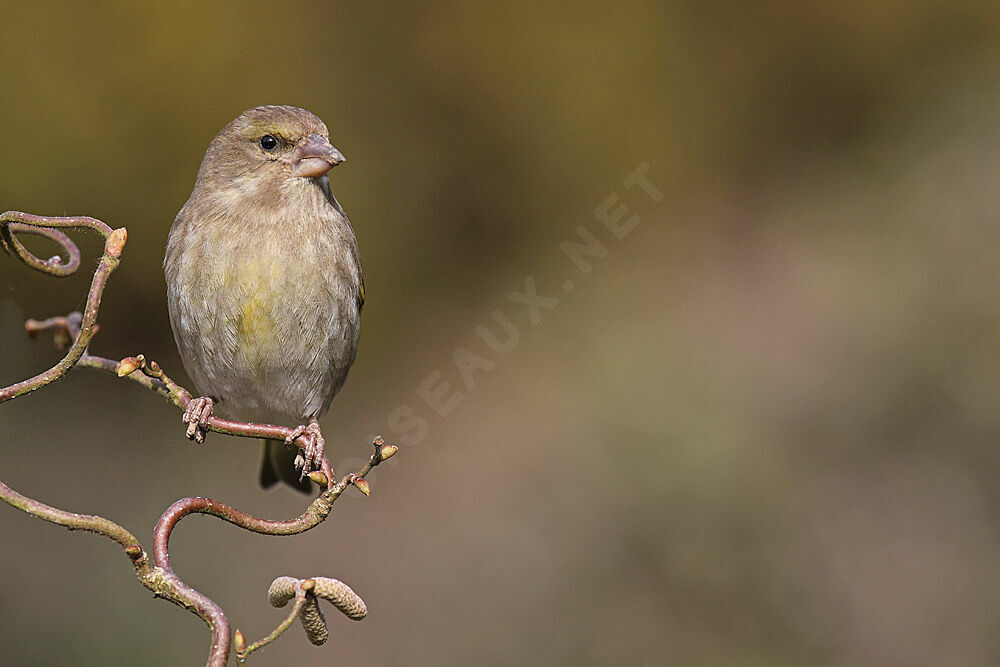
x=278, y=465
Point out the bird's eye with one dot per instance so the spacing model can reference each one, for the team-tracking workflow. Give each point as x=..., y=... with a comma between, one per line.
x=268, y=142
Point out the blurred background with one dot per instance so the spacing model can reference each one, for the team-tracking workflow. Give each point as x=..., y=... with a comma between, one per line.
x=761, y=428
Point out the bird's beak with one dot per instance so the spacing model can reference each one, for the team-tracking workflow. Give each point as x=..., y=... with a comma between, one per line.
x=314, y=156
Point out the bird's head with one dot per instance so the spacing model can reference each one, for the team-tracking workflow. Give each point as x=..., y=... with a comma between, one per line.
x=266, y=149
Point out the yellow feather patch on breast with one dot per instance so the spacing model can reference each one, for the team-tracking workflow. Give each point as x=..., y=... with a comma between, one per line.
x=255, y=324
x=256, y=329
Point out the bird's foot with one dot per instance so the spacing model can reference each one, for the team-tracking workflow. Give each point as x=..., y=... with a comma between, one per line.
x=196, y=416
x=313, y=454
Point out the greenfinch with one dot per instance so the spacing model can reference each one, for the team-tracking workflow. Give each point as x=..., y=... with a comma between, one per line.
x=264, y=283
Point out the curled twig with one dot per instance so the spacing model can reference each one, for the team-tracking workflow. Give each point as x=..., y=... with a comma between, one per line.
x=53, y=265
x=114, y=242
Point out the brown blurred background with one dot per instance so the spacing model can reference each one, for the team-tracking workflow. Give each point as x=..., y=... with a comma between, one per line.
x=761, y=430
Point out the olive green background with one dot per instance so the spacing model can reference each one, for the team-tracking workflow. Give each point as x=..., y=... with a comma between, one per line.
x=761, y=430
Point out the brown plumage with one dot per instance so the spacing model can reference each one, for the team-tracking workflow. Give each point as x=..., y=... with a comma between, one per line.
x=264, y=279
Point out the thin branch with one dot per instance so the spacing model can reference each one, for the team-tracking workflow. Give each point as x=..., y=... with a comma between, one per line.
x=315, y=514
x=70, y=520
x=180, y=397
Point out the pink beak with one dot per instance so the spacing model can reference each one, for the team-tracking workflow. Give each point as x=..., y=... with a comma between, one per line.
x=314, y=156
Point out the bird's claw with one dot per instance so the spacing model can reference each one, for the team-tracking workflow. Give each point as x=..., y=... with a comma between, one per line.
x=313, y=453
x=196, y=416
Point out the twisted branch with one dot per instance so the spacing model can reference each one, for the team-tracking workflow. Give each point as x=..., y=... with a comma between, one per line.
x=76, y=331
x=13, y=222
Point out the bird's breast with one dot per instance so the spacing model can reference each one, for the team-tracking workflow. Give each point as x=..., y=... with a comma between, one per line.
x=266, y=315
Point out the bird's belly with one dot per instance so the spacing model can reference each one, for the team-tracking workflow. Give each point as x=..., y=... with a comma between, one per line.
x=278, y=341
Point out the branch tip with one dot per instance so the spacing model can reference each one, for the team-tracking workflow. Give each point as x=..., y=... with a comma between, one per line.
x=32, y=328
x=362, y=485
x=129, y=365
x=116, y=242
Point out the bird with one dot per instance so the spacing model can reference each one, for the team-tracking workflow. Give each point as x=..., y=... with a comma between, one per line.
x=264, y=284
